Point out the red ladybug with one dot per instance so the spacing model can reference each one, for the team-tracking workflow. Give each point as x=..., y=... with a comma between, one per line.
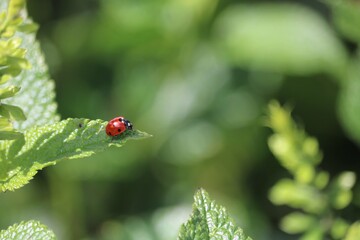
x=117, y=126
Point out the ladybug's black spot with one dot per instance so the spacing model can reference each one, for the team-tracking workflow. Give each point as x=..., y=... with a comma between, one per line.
x=119, y=130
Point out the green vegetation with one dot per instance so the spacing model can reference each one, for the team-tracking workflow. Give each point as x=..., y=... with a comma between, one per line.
x=199, y=76
x=310, y=189
x=45, y=139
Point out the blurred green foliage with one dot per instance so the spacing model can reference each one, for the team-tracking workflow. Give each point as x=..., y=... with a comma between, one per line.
x=198, y=76
x=310, y=190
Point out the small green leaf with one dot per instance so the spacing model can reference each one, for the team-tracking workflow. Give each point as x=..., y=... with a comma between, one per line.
x=9, y=32
x=297, y=195
x=346, y=180
x=354, y=231
x=5, y=124
x=341, y=199
x=340, y=192
x=314, y=233
x=46, y=145
x=14, y=43
x=19, y=62
x=8, y=91
x=27, y=230
x=297, y=222
x=28, y=27
x=4, y=78
x=339, y=228
x=304, y=173
x=321, y=180
x=15, y=7
x=209, y=221
x=7, y=131
x=12, y=112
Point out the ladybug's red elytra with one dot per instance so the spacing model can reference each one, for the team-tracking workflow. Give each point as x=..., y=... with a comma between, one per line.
x=117, y=126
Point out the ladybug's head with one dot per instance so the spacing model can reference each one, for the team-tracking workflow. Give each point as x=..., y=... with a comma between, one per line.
x=128, y=124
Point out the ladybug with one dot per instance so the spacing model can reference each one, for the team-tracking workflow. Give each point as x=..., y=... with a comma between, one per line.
x=117, y=126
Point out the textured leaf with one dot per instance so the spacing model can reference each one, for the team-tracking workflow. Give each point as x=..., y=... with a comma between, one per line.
x=279, y=37
x=27, y=230
x=12, y=62
x=37, y=96
x=46, y=145
x=209, y=221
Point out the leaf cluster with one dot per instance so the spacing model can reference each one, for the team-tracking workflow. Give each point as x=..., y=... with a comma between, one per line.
x=310, y=190
x=12, y=62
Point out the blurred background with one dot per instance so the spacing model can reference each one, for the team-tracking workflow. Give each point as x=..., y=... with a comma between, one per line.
x=198, y=76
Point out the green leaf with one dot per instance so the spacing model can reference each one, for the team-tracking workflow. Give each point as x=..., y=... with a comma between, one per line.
x=5, y=124
x=280, y=38
x=293, y=148
x=15, y=7
x=46, y=145
x=37, y=95
x=297, y=222
x=339, y=228
x=28, y=28
x=353, y=232
x=9, y=91
x=4, y=78
x=314, y=233
x=297, y=195
x=340, y=192
x=349, y=102
x=12, y=112
x=346, y=16
x=321, y=180
x=209, y=221
x=27, y=230
x=6, y=130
